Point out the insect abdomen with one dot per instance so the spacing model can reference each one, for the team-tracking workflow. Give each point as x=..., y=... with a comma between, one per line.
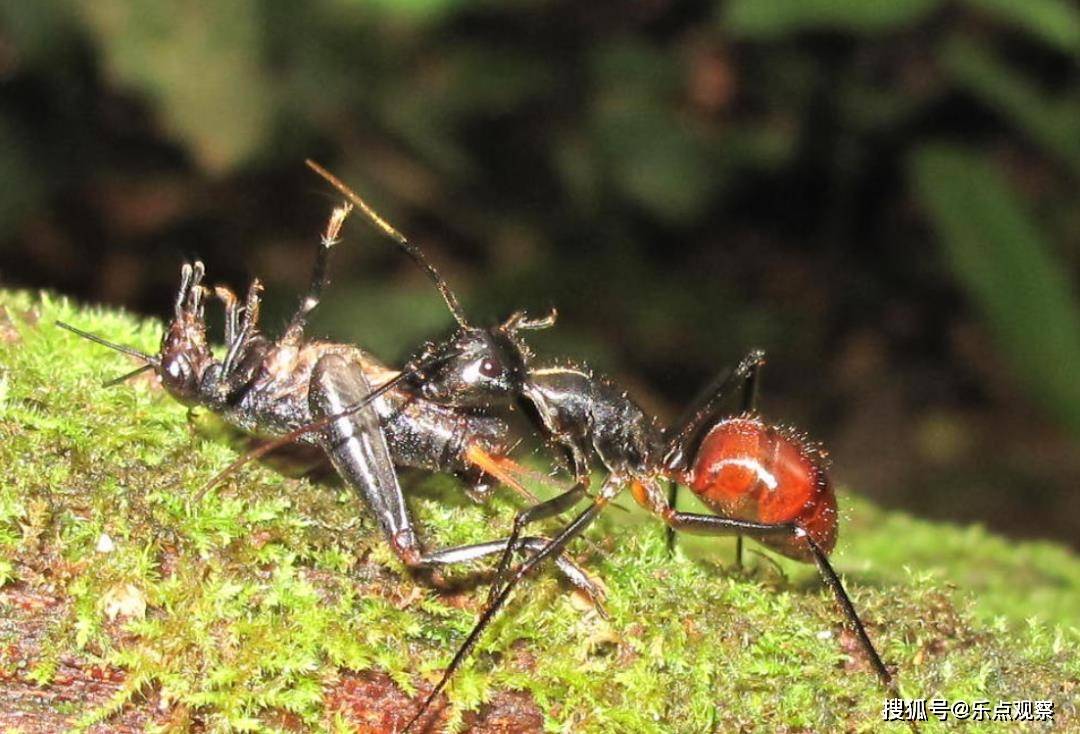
x=752, y=471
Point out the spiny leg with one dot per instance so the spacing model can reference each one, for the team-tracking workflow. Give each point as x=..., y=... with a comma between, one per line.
x=701, y=415
x=232, y=312
x=319, y=275
x=186, y=272
x=238, y=366
x=569, y=570
x=540, y=511
x=716, y=525
x=577, y=526
x=241, y=326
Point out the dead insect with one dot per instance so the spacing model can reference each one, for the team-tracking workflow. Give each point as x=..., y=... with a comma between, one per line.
x=335, y=396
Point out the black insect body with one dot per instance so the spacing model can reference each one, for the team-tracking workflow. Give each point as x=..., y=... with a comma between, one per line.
x=335, y=396
x=762, y=481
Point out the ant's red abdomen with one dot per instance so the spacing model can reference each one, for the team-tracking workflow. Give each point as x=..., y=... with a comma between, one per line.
x=749, y=470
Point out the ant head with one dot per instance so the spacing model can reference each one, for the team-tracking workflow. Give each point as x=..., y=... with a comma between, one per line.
x=476, y=368
x=481, y=367
x=184, y=354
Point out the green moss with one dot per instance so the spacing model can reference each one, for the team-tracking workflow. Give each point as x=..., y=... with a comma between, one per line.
x=258, y=596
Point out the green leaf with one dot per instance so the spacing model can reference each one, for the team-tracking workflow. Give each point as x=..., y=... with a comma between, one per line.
x=1050, y=123
x=410, y=10
x=1009, y=271
x=764, y=19
x=657, y=162
x=653, y=156
x=1056, y=22
x=202, y=65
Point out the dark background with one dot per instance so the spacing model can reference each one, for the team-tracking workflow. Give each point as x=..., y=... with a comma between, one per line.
x=882, y=194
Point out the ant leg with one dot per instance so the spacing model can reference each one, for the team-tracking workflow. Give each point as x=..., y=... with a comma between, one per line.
x=749, y=405
x=716, y=525
x=319, y=276
x=683, y=438
x=356, y=446
x=553, y=548
x=570, y=571
x=688, y=431
x=548, y=508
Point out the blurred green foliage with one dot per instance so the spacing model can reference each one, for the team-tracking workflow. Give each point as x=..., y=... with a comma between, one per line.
x=863, y=188
x=765, y=19
x=1011, y=273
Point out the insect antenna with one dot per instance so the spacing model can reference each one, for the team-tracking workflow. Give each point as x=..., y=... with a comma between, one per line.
x=124, y=378
x=399, y=239
x=151, y=361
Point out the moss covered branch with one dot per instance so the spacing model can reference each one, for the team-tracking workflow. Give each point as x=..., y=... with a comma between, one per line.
x=273, y=605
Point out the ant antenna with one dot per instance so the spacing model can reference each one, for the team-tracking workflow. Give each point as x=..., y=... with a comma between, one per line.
x=410, y=249
x=124, y=378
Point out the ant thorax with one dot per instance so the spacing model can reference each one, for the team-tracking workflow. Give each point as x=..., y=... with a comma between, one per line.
x=591, y=416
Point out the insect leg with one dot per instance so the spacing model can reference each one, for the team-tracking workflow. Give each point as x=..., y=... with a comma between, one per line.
x=541, y=511
x=553, y=548
x=232, y=312
x=356, y=446
x=715, y=525
x=534, y=544
x=319, y=275
x=685, y=435
x=240, y=325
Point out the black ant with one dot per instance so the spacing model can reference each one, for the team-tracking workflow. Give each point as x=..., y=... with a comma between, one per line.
x=322, y=393
x=762, y=481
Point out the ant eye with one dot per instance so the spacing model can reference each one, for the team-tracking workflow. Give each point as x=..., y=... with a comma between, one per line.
x=490, y=368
